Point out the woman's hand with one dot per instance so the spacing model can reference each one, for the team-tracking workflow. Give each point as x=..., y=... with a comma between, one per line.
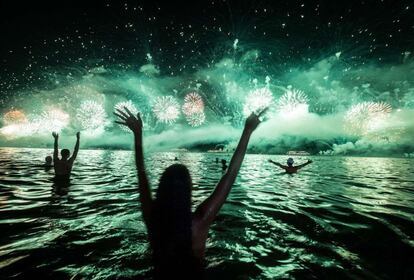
x=55, y=135
x=253, y=121
x=129, y=120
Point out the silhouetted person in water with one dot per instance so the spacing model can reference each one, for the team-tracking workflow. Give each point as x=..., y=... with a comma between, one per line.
x=48, y=163
x=224, y=164
x=63, y=166
x=290, y=168
x=178, y=236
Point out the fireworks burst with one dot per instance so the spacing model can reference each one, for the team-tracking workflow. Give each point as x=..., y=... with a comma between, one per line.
x=193, y=104
x=130, y=106
x=293, y=103
x=365, y=118
x=193, y=109
x=14, y=117
x=196, y=119
x=92, y=116
x=257, y=100
x=52, y=120
x=166, y=109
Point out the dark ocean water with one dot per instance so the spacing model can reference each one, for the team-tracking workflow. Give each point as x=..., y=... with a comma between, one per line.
x=339, y=218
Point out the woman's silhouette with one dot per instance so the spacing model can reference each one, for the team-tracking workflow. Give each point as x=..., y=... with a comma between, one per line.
x=178, y=236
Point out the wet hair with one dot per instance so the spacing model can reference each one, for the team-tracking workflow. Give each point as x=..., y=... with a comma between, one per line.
x=223, y=161
x=65, y=153
x=48, y=159
x=171, y=223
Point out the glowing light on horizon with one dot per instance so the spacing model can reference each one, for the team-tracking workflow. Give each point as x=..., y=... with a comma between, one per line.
x=16, y=130
x=293, y=103
x=257, y=100
x=34, y=125
x=92, y=116
x=166, y=109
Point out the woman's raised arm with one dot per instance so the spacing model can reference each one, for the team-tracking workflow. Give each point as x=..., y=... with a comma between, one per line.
x=135, y=124
x=208, y=209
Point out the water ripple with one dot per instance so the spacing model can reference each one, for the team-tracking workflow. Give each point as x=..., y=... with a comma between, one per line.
x=335, y=219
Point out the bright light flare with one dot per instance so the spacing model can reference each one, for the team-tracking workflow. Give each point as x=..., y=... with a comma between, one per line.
x=257, y=100
x=293, y=103
x=92, y=117
x=166, y=109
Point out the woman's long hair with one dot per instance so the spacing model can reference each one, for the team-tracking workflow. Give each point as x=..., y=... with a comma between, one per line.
x=171, y=225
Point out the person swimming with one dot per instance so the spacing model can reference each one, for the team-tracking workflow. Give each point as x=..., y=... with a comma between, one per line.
x=177, y=235
x=290, y=168
x=63, y=166
x=224, y=164
x=47, y=165
x=48, y=161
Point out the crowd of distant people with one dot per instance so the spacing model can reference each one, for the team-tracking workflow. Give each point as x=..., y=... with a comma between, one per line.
x=177, y=235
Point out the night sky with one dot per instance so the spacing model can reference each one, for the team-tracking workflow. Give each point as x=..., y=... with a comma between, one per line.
x=183, y=36
x=331, y=72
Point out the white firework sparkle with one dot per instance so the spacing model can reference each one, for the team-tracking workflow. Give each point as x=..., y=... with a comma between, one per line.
x=257, y=100
x=364, y=119
x=293, y=103
x=52, y=120
x=166, y=109
x=196, y=119
x=92, y=116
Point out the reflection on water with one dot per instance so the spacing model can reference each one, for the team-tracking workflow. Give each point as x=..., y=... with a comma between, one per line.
x=338, y=218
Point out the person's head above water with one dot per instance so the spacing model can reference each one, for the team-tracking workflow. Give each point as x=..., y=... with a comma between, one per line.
x=172, y=216
x=65, y=153
x=223, y=161
x=48, y=160
x=290, y=161
x=175, y=182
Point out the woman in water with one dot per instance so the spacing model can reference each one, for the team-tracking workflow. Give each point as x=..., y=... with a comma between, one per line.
x=177, y=235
